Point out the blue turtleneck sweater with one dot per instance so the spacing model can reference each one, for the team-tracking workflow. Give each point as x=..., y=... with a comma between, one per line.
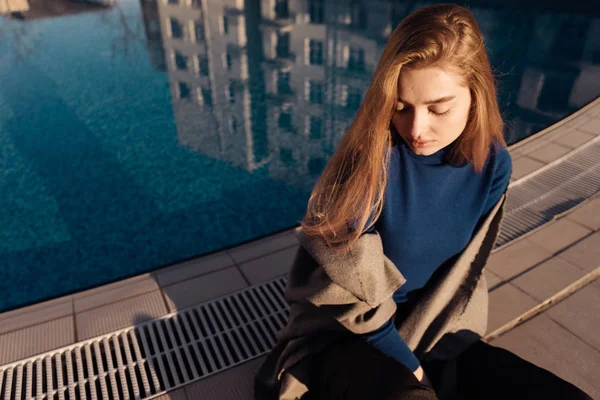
x=430, y=212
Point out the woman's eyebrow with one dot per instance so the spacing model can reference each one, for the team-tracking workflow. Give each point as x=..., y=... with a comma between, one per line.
x=436, y=101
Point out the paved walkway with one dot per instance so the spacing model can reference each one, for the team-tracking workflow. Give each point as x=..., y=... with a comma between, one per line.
x=520, y=276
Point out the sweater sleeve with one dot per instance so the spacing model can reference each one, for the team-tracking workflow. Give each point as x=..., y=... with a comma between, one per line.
x=502, y=174
x=387, y=340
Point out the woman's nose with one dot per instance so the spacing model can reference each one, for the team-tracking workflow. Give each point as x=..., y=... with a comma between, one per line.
x=418, y=125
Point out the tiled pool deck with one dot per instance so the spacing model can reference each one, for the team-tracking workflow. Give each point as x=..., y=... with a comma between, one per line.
x=564, y=338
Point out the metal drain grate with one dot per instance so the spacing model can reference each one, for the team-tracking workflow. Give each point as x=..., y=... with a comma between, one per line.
x=160, y=355
x=537, y=198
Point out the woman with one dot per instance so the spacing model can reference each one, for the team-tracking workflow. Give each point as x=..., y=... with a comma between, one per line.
x=387, y=296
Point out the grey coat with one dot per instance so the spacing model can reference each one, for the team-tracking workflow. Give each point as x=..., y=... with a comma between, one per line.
x=332, y=292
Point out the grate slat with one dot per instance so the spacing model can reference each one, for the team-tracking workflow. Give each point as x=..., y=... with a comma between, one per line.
x=130, y=366
x=120, y=368
x=201, y=343
x=174, y=345
x=59, y=376
x=208, y=343
x=100, y=366
x=81, y=380
x=154, y=341
x=8, y=385
x=2, y=372
x=19, y=382
x=168, y=357
x=152, y=364
x=111, y=369
x=187, y=327
x=90, y=371
x=28, y=382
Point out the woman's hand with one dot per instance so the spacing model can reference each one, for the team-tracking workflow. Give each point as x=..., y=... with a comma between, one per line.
x=420, y=375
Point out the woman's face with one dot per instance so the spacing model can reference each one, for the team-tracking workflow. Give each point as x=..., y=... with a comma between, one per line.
x=431, y=110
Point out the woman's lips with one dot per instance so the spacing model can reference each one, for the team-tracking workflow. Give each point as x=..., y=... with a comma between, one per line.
x=422, y=143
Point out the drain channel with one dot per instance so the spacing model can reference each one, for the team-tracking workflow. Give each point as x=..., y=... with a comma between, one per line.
x=536, y=199
x=157, y=356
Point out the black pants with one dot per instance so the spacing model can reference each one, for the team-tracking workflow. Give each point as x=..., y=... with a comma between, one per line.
x=353, y=369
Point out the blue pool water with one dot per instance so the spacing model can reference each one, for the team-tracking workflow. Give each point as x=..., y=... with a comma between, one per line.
x=145, y=133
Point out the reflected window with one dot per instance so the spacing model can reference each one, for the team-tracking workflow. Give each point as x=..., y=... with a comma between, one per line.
x=199, y=31
x=316, y=166
x=356, y=59
x=283, y=82
x=180, y=61
x=231, y=93
x=567, y=43
x=396, y=15
x=315, y=93
x=228, y=61
x=184, y=90
x=358, y=14
x=556, y=91
x=287, y=157
x=316, y=127
x=281, y=9
x=316, y=11
x=354, y=98
x=203, y=66
x=197, y=3
x=315, y=51
x=232, y=123
x=225, y=24
x=206, y=96
x=282, y=49
x=176, y=29
x=173, y=1
x=285, y=120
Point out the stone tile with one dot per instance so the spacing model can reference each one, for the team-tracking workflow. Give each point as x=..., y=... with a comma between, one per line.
x=193, y=268
x=587, y=215
x=119, y=315
x=491, y=278
x=591, y=127
x=558, y=235
x=36, y=314
x=36, y=339
x=585, y=254
x=269, y=267
x=203, y=288
x=549, y=153
x=516, y=258
x=574, y=139
x=507, y=303
x=580, y=314
x=524, y=166
x=548, y=278
x=546, y=344
x=233, y=384
x=114, y=292
x=177, y=394
x=263, y=247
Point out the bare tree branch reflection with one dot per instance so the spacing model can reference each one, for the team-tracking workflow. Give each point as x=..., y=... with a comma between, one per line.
x=130, y=28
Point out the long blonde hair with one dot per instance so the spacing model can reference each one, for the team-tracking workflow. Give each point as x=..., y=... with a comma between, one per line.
x=351, y=188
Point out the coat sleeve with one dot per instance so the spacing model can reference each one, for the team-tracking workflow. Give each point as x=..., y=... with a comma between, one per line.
x=350, y=289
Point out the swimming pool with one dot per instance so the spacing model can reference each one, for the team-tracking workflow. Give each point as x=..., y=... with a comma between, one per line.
x=143, y=133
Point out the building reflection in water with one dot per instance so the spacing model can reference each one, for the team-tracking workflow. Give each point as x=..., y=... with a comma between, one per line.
x=273, y=84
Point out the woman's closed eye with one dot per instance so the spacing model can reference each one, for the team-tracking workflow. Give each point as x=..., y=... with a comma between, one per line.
x=439, y=114
x=436, y=113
